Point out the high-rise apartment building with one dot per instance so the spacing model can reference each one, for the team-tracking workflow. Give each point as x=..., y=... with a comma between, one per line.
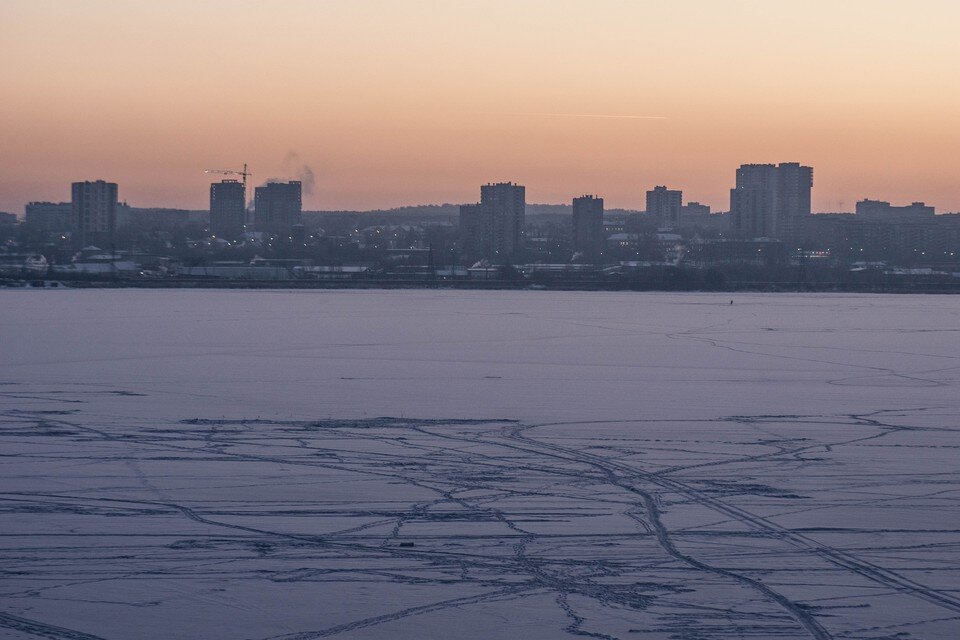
x=588, y=236
x=507, y=204
x=277, y=207
x=771, y=201
x=227, y=209
x=94, y=211
x=664, y=206
x=494, y=228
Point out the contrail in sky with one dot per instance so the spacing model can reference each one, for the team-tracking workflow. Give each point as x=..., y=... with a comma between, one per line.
x=590, y=115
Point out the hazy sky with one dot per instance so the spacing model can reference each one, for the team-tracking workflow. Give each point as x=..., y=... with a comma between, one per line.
x=422, y=101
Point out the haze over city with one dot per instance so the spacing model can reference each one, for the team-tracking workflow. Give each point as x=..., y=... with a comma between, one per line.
x=391, y=103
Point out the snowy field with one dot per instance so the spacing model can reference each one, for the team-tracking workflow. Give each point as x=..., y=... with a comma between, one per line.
x=415, y=465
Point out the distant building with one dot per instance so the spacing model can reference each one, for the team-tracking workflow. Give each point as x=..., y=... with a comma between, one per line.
x=910, y=236
x=493, y=229
x=8, y=218
x=770, y=201
x=506, y=203
x=695, y=209
x=227, y=209
x=763, y=252
x=664, y=206
x=476, y=234
x=879, y=211
x=50, y=218
x=160, y=218
x=588, y=235
x=752, y=201
x=277, y=207
x=697, y=218
x=94, y=211
x=124, y=215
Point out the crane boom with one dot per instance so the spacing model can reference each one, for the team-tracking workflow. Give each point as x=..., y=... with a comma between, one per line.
x=230, y=172
x=234, y=172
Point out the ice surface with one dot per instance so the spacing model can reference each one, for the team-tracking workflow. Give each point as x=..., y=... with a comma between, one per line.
x=418, y=464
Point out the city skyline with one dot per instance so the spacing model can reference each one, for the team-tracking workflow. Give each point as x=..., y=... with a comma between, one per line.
x=391, y=104
x=638, y=202
x=676, y=200
x=653, y=204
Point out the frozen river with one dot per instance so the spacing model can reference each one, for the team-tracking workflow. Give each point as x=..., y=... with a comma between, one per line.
x=264, y=465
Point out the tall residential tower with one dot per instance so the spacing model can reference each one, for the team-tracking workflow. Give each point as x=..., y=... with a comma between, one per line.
x=277, y=207
x=771, y=201
x=588, y=227
x=93, y=207
x=494, y=228
x=227, y=209
x=664, y=206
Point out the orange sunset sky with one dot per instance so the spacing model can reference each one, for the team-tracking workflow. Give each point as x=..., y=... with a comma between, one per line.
x=409, y=102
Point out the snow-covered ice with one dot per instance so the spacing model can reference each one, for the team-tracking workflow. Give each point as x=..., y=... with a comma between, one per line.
x=445, y=464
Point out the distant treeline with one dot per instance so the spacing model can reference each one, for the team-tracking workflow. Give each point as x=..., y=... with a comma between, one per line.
x=450, y=210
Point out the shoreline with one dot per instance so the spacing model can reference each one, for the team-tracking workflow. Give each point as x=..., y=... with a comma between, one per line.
x=472, y=285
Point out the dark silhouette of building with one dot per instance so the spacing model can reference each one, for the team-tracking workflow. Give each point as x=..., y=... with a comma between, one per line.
x=161, y=218
x=664, y=206
x=49, y=218
x=507, y=204
x=227, y=209
x=494, y=228
x=752, y=201
x=907, y=236
x=880, y=211
x=588, y=236
x=277, y=207
x=760, y=252
x=94, y=211
x=697, y=219
x=476, y=233
x=771, y=201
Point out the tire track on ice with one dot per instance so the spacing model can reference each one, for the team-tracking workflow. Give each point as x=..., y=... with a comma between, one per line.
x=803, y=617
x=835, y=556
x=42, y=629
x=401, y=614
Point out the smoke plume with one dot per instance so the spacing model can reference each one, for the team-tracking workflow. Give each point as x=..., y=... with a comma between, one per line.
x=296, y=169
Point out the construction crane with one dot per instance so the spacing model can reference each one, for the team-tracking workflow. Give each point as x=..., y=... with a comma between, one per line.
x=232, y=172
x=243, y=174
